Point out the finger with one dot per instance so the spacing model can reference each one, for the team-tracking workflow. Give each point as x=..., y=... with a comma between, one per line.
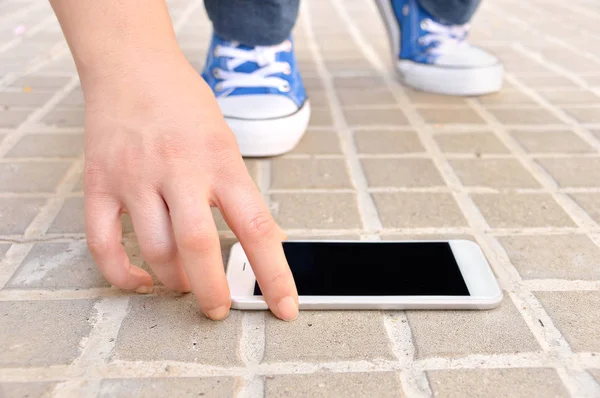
x=199, y=247
x=247, y=215
x=152, y=226
x=103, y=231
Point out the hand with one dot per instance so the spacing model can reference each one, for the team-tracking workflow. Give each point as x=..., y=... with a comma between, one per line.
x=157, y=147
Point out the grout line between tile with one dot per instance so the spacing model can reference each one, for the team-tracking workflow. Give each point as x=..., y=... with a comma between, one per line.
x=367, y=210
x=139, y=369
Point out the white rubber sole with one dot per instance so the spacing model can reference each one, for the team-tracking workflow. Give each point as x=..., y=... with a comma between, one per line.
x=270, y=137
x=451, y=81
x=439, y=79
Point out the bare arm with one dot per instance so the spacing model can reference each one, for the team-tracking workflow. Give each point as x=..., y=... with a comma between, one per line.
x=157, y=147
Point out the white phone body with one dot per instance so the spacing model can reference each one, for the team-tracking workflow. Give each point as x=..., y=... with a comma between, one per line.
x=479, y=278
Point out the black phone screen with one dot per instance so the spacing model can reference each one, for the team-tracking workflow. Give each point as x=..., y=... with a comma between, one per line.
x=374, y=269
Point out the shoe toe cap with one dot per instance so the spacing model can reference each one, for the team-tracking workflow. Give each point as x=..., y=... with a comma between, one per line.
x=257, y=106
x=467, y=57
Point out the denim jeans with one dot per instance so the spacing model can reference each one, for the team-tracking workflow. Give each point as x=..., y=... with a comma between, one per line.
x=269, y=22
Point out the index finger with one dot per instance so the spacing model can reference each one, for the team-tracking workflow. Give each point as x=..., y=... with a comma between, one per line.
x=247, y=215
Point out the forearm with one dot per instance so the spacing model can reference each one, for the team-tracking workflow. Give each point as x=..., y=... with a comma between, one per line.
x=111, y=37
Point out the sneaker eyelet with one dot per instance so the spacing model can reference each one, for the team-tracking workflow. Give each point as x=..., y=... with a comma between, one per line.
x=216, y=73
x=285, y=87
x=288, y=45
x=288, y=70
x=425, y=24
x=217, y=50
x=421, y=41
x=219, y=87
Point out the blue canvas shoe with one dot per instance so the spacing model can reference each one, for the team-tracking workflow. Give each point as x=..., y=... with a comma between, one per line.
x=435, y=57
x=261, y=95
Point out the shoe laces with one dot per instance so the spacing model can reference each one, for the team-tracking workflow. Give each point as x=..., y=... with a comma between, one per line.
x=266, y=59
x=447, y=38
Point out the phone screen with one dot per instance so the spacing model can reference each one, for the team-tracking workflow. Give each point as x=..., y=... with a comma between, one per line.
x=374, y=269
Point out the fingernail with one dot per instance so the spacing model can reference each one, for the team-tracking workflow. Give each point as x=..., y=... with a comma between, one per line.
x=287, y=309
x=144, y=289
x=218, y=314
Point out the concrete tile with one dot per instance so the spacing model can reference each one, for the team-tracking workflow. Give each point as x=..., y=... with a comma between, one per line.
x=524, y=116
x=327, y=336
x=70, y=218
x=184, y=387
x=73, y=100
x=493, y=173
x=359, y=96
x=506, y=97
x=572, y=257
x=584, y=115
x=375, y=117
x=428, y=237
x=573, y=172
x=477, y=143
x=576, y=315
x=58, y=266
x=320, y=118
x=401, y=173
x=595, y=374
x=17, y=213
x=423, y=98
x=79, y=185
x=590, y=202
x=418, y=210
x=318, y=142
x=3, y=249
x=570, y=96
x=521, y=210
x=309, y=173
x=551, y=142
x=252, y=165
x=547, y=81
x=318, y=97
x=450, y=116
x=49, y=331
x=13, y=117
x=496, y=383
x=219, y=220
x=173, y=328
x=325, y=211
x=48, y=145
x=24, y=99
x=460, y=333
x=362, y=82
x=31, y=177
x=64, y=118
x=349, y=66
x=26, y=390
x=379, y=384
x=40, y=82
x=312, y=83
x=387, y=141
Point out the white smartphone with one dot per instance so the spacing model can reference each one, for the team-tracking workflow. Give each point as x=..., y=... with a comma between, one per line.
x=376, y=275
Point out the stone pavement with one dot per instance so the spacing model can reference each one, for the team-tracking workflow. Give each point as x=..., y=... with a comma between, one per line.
x=519, y=172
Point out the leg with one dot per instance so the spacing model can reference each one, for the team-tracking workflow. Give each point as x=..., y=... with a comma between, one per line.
x=451, y=12
x=253, y=22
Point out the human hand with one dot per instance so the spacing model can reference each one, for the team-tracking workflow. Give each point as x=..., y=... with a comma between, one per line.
x=158, y=148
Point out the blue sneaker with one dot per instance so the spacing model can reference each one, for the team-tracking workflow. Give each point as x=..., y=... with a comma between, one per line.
x=261, y=95
x=435, y=57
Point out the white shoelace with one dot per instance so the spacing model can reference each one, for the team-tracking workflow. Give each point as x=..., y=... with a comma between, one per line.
x=265, y=57
x=448, y=37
